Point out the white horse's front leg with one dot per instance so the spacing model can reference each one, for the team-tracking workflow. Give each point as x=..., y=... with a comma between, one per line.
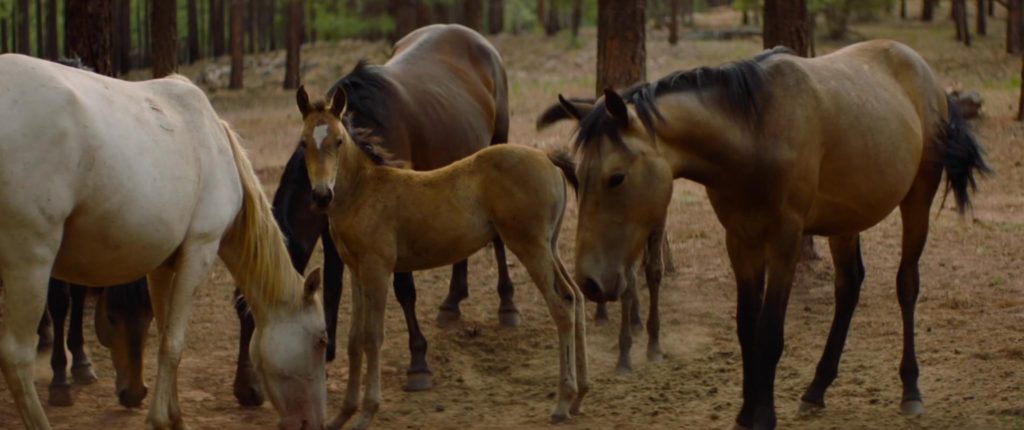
x=22, y=299
x=171, y=292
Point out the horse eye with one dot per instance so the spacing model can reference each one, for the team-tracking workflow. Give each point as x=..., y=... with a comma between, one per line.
x=616, y=180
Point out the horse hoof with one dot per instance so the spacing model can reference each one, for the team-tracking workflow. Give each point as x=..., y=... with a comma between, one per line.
x=601, y=321
x=83, y=374
x=912, y=408
x=738, y=426
x=655, y=356
x=248, y=396
x=509, y=318
x=60, y=395
x=419, y=381
x=808, y=408
x=624, y=369
x=559, y=417
x=446, y=318
x=637, y=329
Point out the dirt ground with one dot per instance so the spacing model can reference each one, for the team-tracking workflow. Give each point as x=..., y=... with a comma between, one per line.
x=970, y=318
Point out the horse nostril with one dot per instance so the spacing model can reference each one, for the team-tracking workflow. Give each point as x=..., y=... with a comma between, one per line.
x=323, y=198
x=592, y=290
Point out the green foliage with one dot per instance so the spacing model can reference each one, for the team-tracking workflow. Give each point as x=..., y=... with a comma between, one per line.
x=334, y=25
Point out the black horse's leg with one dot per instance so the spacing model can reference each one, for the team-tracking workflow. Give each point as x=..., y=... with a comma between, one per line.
x=849, y=274
x=81, y=368
x=57, y=301
x=748, y=267
x=508, y=315
x=333, y=277
x=653, y=271
x=247, y=387
x=457, y=291
x=601, y=314
x=45, y=332
x=418, y=375
x=781, y=255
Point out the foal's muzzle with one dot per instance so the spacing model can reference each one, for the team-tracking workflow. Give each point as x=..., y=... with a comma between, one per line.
x=322, y=197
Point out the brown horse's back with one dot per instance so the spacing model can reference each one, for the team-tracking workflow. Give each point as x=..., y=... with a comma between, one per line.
x=452, y=94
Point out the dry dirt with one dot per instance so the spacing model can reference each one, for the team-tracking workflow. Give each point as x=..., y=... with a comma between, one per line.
x=970, y=316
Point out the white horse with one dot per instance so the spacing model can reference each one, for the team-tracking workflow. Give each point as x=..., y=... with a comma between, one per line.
x=103, y=181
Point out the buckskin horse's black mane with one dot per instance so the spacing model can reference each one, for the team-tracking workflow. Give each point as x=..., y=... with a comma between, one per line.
x=742, y=84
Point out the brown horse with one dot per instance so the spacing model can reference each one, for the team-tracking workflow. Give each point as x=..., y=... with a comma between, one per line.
x=442, y=96
x=385, y=219
x=784, y=146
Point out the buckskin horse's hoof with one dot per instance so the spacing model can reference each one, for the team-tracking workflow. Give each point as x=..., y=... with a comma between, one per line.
x=83, y=374
x=419, y=381
x=912, y=408
x=446, y=318
x=508, y=318
x=60, y=395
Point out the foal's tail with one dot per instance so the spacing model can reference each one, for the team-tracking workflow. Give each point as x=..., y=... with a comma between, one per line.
x=962, y=156
x=563, y=161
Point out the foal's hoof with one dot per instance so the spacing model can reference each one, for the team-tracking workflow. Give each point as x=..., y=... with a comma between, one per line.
x=655, y=356
x=419, y=381
x=60, y=395
x=559, y=417
x=508, y=318
x=808, y=408
x=83, y=374
x=912, y=408
x=447, y=317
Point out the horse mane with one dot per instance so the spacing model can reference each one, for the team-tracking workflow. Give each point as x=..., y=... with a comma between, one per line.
x=366, y=93
x=264, y=271
x=742, y=82
x=369, y=142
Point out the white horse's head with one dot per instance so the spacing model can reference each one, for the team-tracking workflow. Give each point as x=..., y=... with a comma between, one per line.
x=288, y=351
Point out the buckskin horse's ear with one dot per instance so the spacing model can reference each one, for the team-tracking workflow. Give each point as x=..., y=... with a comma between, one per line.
x=616, y=107
x=302, y=99
x=574, y=108
x=339, y=102
x=312, y=284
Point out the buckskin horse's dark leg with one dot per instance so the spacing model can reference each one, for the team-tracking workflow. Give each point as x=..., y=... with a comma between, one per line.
x=458, y=290
x=81, y=368
x=333, y=275
x=508, y=315
x=748, y=267
x=849, y=274
x=419, y=377
x=247, y=386
x=57, y=302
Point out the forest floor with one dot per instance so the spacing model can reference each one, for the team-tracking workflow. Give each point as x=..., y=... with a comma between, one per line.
x=970, y=317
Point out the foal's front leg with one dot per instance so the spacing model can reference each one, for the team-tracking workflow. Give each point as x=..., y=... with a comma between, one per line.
x=374, y=277
x=350, y=405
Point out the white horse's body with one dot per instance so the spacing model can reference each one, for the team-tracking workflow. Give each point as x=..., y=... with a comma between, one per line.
x=103, y=181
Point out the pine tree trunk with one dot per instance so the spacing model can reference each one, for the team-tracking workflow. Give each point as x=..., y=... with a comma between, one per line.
x=423, y=17
x=496, y=17
x=577, y=18
x=50, y=51
x=147, y=32
x=473, y=14
x=291, y=74
x=124, y=27
x=165, y=37
x=193, y=32
x=552, y=25
x=927, y=10
x=621, y=47
x=88, y=36
x=39, y=29
x=673, y=22
x=1013, y=26
x=237, y=60
x=23, y=25
x=1020, y=102
x=404, y=13
x=249, y=24
x=217, y=27
x=786, y=24
x=981, y=22
x=903, y=9
x=541, y=14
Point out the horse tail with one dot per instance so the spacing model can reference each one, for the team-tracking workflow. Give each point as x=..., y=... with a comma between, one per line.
x=563, y=162
x=961, y=156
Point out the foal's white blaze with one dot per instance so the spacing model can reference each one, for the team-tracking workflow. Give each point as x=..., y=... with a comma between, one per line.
x=319, y=134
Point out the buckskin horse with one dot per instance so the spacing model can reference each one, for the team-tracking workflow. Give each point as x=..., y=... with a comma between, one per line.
x=784, y=146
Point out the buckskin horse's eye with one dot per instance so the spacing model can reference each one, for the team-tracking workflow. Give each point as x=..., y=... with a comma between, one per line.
x=616, y=180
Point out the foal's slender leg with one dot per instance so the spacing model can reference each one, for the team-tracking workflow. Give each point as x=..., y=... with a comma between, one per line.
x=849, y=274
x=58, y=300
x=24, y=302
x=350, y=404
x=747, y=261
x=418, y=376
x=628, y=298
x=247, y=388
x=81, y=368
x=374, y=277
x=508, y=315
x=580, y=319
x=458, y=290
x=334, y=270
x=653, y=273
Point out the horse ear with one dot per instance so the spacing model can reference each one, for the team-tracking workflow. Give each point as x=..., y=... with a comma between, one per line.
x=573, y=108
x=312, y=284
x=616, y=107
x=302, y=99
x=339, y=102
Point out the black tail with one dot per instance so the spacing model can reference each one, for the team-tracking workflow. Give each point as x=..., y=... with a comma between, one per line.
x=962, y=156
x=563, y=161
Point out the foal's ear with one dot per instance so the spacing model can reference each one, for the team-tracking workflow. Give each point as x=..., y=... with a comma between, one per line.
x=573, y=108
x=616, y=107
x=302, y=99
x=339, y=102
x=312, y=284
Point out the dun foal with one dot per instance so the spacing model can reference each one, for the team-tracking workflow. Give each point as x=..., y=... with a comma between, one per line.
x=385, y=219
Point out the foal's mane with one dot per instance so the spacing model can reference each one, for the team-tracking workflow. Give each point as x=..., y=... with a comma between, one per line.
x=742, y=84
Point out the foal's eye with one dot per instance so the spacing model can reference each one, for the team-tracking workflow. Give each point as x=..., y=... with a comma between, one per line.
x=616, y=180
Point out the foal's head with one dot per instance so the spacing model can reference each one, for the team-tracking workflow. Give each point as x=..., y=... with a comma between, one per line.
x=625, y=187
x=323, y=135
